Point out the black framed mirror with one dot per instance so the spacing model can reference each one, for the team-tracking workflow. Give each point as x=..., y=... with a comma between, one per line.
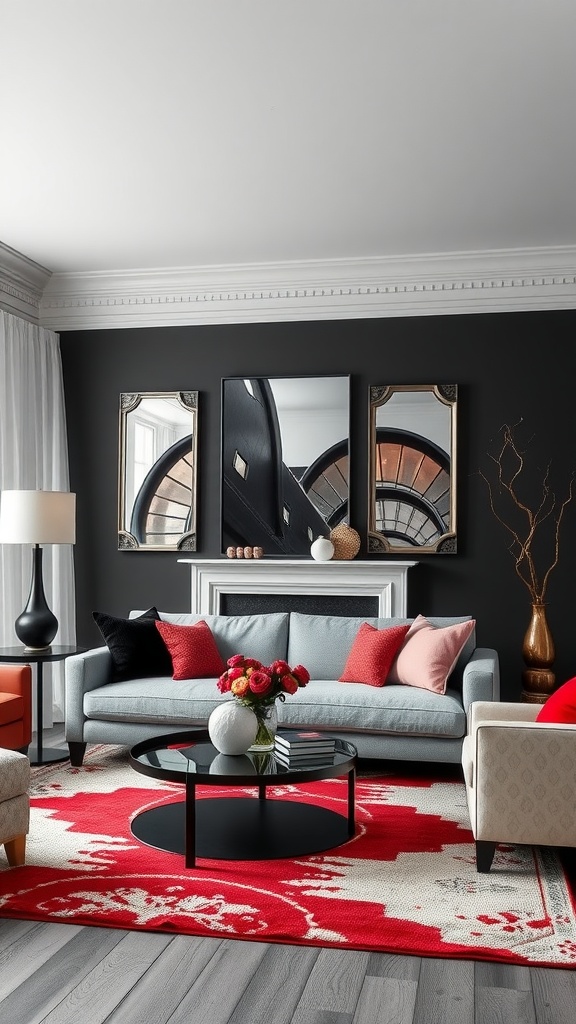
x=157, y=471
x=412, y=453
x=285, y=461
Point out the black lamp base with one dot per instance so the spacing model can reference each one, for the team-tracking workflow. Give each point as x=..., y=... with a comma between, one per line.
x=36, y=627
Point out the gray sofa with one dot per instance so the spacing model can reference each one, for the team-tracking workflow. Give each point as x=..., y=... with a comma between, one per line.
x=392, y=721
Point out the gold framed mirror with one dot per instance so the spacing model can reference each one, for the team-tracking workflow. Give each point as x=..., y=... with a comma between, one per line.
x=412, y=457
x=157, y=471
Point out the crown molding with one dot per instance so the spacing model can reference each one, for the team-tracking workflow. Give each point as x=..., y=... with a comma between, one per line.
x=438, y=283
x=22, y=283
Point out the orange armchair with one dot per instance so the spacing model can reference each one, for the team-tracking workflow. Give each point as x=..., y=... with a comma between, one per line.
x=15, y=707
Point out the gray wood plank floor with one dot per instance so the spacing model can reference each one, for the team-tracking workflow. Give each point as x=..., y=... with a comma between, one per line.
x=64, y=973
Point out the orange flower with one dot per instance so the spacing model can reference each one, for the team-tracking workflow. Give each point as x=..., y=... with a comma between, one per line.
x=240, y=686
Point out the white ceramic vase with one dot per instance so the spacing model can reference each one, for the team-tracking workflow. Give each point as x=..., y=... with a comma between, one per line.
x=322, y=549
x=232, y=727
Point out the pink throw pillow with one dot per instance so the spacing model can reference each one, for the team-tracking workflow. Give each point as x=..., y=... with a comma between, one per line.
x=429, y=654
x=372, y=654
x=561, y=705
x=193, y=650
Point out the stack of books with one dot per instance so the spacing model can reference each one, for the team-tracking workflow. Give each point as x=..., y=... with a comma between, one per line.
x=300, y=749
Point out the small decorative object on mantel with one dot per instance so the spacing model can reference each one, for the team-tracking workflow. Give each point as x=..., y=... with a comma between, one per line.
x=247, y=552
x=322, y=549
x=258, y=687
x=346, y=542
x=523, y=528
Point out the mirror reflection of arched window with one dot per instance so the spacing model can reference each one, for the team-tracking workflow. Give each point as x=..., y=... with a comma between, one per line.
x=162, y=510
x=157, y=472
x=326, y=483
x=412, y=488
x=412, y=501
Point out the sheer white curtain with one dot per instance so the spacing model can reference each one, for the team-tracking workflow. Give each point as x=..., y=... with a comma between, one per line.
x=34, y=456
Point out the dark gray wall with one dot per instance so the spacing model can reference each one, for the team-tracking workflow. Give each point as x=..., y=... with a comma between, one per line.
x=508, y=367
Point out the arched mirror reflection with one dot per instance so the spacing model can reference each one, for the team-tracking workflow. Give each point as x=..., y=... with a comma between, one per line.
x=412, y=502
x=285, y=453
x=157, y=471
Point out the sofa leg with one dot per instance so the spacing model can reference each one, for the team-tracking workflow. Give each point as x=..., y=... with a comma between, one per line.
x=16, y=851
x=77, y=751
x=484, y=855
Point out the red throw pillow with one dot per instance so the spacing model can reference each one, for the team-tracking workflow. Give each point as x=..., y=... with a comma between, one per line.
x=561, y=705
x=193, y=650
x=372, y=654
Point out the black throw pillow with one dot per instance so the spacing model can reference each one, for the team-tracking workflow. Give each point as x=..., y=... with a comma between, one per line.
x=136, y=646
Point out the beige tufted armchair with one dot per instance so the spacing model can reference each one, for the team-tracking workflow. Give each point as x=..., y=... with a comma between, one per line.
x=520, y=778
x=14, y=804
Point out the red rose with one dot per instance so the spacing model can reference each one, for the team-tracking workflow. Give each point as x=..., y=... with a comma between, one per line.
x=302, y=675
x=288, y=683
x=279, y=668
x=236, y=659
x=223, y=683
x=260, y=683
x=252, y=663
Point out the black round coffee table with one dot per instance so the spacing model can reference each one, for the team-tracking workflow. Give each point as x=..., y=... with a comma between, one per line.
x=238, y=828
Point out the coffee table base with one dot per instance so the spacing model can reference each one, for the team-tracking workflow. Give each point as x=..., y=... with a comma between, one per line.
x=242, y=828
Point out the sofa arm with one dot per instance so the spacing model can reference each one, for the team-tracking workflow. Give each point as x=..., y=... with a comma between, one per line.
x=84, y=672
x=481, y=677
x=17, y=679
x=523, y=783
x=501, y=712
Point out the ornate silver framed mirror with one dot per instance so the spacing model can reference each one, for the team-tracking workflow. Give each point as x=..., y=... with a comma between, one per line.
x=412, y=454
x=157, y=471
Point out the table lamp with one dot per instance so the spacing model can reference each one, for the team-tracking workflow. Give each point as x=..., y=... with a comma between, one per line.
x=37, y=517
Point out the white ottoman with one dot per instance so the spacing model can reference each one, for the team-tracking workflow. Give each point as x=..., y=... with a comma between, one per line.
x=14, y=804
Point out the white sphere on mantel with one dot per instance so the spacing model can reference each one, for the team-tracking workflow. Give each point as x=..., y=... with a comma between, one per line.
x=322, y=549
x=232, y=727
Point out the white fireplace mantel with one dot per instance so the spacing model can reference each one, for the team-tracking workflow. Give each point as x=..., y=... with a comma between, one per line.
x=212, y=577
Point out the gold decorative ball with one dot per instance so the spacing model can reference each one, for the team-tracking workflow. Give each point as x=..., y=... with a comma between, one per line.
x=346, y=542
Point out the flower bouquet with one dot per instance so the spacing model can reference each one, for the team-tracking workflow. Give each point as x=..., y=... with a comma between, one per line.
x=258, y=687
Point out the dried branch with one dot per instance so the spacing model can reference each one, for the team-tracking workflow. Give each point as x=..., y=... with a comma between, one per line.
x=522, y=542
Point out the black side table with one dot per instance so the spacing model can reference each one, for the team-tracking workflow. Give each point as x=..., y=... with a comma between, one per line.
x=18, y=655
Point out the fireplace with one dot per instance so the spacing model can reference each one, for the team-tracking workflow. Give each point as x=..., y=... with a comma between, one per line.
x=240, y=586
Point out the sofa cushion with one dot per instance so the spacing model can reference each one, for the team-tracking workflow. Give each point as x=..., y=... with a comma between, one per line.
x=353, y=707
x=428, y=654
x=264, y=637
x=322, y=642
x=322, y=704
x=193, y=650
x=136, y=647
x=156, y=700
x=372, y=654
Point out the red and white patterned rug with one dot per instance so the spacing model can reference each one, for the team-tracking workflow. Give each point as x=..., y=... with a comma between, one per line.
x=406, y=883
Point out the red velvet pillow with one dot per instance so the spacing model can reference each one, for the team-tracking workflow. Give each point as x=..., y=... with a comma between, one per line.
x=561, y=705
x=193, y=650
x=372, y=654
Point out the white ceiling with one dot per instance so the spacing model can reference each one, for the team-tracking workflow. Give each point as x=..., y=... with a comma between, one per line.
x=186, y=133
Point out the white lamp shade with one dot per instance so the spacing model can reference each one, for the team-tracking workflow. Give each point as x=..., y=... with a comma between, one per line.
x=37, y=517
